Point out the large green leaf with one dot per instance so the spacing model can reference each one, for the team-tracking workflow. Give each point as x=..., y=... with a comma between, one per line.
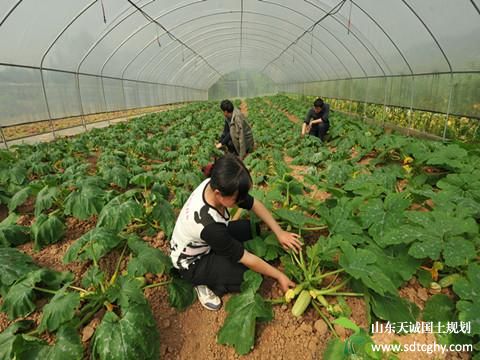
x=118, y=213
x=92, y=245
x=59, y=310
x=335, y=350
x=468, y=289
x=341, y=220
x=47, y=229
x=85, y=202
x=19, y=198
x=18, y=174
x=464, y=185
x=20, y=297
x=439, y=307
x=134, y=335
x=68, y=345
x=12, y=234
x=450, y=156
x=372, y=186
x=454, y=203
x=126, y=291
x=147, y=259
x=164, y=214
x=296, y=218
x=243, y=311
x=393, y=308
x=13, y=265
x=361, y=265
x=144, y=179
x=268, y=248
x=441, y=232
x=118, y=175
x=93, y=277
x=180, y=293
x=381, y=216
x=45, y=199
x=395, y=263
x=9, y=338
x=337, y=173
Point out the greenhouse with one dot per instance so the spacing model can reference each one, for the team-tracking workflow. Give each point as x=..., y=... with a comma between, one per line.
x=308, y=171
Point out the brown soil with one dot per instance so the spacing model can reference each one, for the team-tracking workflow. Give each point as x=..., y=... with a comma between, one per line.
x=27, y=207
x=367, y=158
x=192, y=334
x=298, y=173
x=3, y=212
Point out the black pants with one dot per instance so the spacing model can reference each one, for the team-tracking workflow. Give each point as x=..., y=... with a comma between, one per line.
x=231, y=148
x=219, y=273
x=320, y=130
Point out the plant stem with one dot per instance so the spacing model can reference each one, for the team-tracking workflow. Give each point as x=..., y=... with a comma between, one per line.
x=306, y=274
x=333, y=281
x=315, y=228
x=276, y=301
x=327, y=274
x=333, y=289
x=344, y=294
x=89, y=315
x=47, y=291
x=117, y=268
x=157, y=284
x=33, y=332
x=77, y=288
x=329, y=324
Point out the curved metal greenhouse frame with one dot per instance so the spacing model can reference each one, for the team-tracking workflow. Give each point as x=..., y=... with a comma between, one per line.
x=71, y=58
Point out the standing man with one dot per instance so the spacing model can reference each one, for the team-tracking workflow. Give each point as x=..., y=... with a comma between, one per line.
x=316, y=120
x=237, y=134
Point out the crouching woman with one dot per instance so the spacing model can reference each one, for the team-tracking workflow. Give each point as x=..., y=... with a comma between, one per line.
x=207, y=248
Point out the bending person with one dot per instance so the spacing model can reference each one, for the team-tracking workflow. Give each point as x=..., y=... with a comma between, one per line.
x=208, y=249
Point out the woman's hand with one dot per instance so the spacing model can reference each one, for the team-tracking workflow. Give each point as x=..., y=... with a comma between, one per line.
x=289, y=241
x=285, y=283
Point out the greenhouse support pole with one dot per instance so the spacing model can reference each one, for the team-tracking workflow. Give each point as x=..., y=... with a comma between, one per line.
x=3, y=137
x=104, y=98
x=124, y=95
x=448, y=108
x=385, y=104
x=351, y=100
x=365, y=103
x=410, y=111
x=50, y=121
x=82, y=111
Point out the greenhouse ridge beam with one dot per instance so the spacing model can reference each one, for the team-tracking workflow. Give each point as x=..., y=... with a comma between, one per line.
x=332, y=12
x=202, y=37
x=431, y=34
x=353, y=33
x=196, y=32
x=172, y=36
x=285, y=21
x=385, y=33
x=10, y=12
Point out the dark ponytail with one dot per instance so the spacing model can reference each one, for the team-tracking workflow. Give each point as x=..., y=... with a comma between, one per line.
x=229, y=175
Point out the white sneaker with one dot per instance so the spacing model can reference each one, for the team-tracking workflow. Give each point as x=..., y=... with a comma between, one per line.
x=207, y=298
